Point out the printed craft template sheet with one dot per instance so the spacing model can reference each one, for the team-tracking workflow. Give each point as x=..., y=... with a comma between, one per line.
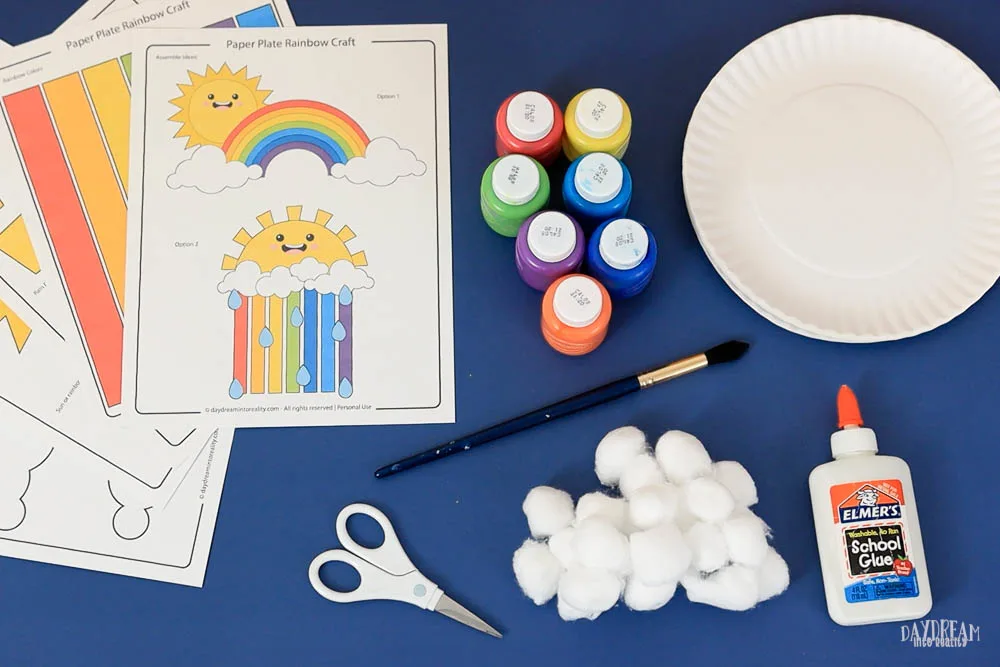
x=65, y=108
x=97, y=9
x=290, y=228
x=78, y=486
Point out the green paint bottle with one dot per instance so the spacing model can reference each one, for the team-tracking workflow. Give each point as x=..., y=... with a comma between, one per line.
x=514, y=188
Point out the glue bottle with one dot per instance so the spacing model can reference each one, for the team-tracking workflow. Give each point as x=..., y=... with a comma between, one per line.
x=514, y=188
x=867, y=528
x=597, y=188
x=530, y=123
x=597, y=121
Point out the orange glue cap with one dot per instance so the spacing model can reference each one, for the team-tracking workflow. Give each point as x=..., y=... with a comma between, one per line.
x=848, y=412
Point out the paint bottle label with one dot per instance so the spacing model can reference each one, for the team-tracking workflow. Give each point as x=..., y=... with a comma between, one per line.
x=578, y=301
x=551, y=236
x=530, y=116
x=876, y=563
x=624, y=244
x=516, y=180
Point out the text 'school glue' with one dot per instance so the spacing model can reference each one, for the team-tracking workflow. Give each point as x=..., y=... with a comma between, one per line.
x=597, y=188
x=576, y=311
x=530, y=123
x=549, y=246
x=622, y=255
x=597, y=121
x=514, y=188
x=867, y=528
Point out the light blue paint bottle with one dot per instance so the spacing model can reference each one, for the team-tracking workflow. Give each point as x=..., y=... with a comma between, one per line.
x=597, y=188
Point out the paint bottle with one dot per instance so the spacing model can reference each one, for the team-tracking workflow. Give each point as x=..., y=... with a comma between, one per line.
x=514, y=188
x=597, y=188
x=549, y=246
x=576, y=311
x=530, y=123
x=867, y=528
x=622, y=255
x=597, y=121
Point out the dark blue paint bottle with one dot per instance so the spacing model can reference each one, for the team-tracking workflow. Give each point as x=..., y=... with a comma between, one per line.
x=622, y=256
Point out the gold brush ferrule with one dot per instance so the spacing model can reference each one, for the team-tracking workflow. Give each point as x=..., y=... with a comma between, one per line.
x=673, y=370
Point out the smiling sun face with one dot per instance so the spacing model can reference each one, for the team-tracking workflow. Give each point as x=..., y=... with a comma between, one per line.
x=288, y=243
x=213, y=104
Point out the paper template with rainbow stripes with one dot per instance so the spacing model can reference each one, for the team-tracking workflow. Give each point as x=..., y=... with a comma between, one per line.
x=291, y=223
x=70, y=128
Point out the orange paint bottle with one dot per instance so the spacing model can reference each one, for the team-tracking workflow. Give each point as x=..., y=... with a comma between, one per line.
x=576, y=311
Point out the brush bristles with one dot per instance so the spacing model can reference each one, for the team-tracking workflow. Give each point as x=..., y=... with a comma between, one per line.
x=723, y=354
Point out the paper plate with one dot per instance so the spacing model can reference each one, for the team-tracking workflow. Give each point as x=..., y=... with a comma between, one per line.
x=843, y=176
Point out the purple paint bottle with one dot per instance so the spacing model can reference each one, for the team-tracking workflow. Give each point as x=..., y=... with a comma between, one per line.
x=549, y=246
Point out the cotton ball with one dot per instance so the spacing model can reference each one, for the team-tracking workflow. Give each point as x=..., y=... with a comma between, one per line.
x=641, y=597
x=772, y=576
x=548, y=510
x=733, y=476
x=561, y=546
x=682, y=457
x=708, y=500
x=589, y=591
x=614, y=510
x=597, y=543
x=615, y=451
x=684, y=518
x=708, y=546
x=746, y=538
x=653, y=505
x=568, y=613
x=640, y=471
x=659, y=555
x=537, y=571
x=734, y=587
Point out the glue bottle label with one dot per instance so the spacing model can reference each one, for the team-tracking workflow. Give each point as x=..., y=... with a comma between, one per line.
x=871, y=518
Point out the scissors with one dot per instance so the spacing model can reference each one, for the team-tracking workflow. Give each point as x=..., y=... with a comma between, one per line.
x=387, y=573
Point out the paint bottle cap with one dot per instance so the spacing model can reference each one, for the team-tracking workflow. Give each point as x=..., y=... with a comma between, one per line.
x=551, y=236
x=516, y=180
x=577, y=301
x=530, y=116
x=599, y=113
x=624, y=244
x=599, y=177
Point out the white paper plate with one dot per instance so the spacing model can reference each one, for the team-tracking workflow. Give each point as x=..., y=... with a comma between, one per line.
x=843, y=176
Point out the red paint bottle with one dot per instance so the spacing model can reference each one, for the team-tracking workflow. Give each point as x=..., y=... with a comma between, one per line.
x=530, y=123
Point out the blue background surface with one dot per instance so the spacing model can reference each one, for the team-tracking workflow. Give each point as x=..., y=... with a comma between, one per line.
x=933, y=400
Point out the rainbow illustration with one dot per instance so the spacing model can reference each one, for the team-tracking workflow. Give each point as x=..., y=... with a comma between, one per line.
x=274, y=129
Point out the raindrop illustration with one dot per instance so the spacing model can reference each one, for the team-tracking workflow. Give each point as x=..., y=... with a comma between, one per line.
x=235, y=390
x=266, y=338
x=235, y=300
x=346, y=297
x=296, y=317
x=346, y=388
x=303, y=377
x=339, y=332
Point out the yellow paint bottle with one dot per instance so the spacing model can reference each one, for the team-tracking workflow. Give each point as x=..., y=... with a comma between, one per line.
x=597, y=121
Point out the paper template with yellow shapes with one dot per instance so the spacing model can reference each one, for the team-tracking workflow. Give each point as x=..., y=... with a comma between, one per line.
x=16, y=244
x=291, y=209
x=16, y=327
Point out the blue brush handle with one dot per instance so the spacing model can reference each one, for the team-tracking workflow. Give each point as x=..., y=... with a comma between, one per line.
x=599, y=396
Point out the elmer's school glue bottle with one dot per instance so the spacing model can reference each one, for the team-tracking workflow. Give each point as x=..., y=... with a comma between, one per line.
x=867, y=528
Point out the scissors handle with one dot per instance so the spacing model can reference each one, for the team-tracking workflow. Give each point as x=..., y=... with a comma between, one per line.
x=388, y=556
x=376, y=584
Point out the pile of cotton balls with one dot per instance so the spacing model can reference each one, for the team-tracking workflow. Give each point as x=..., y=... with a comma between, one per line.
x=680, y=519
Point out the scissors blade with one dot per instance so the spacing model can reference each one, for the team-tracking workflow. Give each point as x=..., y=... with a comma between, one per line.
x=457, y=612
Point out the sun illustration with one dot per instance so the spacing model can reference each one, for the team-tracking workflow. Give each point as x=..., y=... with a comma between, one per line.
x=288, y=243
x=213, y=104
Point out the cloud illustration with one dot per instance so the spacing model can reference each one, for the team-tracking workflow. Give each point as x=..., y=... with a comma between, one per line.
x=208, y=172
x=383, y=163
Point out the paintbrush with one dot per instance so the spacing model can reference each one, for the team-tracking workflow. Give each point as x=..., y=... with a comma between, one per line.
x=720, y=354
